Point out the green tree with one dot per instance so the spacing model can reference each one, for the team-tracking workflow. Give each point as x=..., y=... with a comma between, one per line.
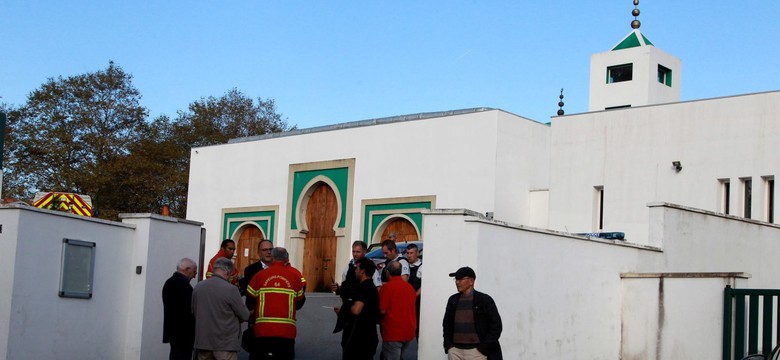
x=70, y=133
x=88, y=134
x=211, y=121
x=14, y=184
x=154, y=174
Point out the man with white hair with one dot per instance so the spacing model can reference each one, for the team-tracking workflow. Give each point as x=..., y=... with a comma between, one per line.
x=178, y=322
x=219, y=313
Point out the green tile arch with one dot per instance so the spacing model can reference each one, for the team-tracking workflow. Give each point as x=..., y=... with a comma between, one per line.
x=371, y=219
x=263, y=219
x=339, y=177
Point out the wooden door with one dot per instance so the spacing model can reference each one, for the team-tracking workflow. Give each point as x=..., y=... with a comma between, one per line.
x=403, y=229
x=319, y=247
x=246, y=249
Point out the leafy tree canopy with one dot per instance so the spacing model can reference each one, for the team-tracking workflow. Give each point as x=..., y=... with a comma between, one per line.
x=211, y=120
x=88, y=134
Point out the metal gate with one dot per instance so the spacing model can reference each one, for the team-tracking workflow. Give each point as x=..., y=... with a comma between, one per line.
x=750, y=322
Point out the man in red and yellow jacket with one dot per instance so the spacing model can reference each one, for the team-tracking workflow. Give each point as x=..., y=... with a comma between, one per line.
x=278, y=291
x=226, y=250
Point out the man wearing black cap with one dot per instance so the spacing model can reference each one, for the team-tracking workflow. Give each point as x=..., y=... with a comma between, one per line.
x=471, y=323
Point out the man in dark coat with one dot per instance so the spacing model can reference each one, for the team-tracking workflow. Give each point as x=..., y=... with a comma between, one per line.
x=178, y=322
x=471, y=323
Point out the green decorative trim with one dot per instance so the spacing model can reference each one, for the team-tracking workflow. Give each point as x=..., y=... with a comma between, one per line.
x=339, y=177
x=632, y=40
x=263, y=219
x=647, y=41
x=375, y=214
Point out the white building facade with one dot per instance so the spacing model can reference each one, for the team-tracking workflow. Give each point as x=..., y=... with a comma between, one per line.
x=379, y=171
x=689, y=184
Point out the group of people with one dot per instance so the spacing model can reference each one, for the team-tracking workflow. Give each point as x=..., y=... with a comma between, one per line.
x=389, y=299
x=208, y=318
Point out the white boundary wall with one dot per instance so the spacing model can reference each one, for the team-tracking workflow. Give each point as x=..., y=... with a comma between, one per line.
x=122, y=320
x=569, y=297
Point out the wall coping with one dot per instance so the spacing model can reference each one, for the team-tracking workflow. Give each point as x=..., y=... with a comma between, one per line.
x=474, y=216
x=711, y=213
x=159, y=217
x=25, y=207
x=686, y=275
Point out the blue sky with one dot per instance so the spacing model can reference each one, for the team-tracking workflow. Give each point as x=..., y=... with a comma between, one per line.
x=328, y=62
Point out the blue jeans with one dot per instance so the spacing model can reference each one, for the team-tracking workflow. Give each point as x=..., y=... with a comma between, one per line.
x=393, y=350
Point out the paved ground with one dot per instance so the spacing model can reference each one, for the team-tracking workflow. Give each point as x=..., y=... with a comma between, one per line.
x=315, y=325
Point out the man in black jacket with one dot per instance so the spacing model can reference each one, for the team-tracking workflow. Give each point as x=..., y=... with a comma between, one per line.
x=178, y=321
x=359, y=339
x=350, y=282
x=471, y=323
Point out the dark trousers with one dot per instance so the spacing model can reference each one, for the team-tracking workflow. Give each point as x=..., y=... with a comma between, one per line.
x=359, y=344
x=360, y=352
x=273, y=348
x=180, y=352
x=417, y=309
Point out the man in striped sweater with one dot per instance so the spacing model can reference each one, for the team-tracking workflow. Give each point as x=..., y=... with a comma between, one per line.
x=471, y=323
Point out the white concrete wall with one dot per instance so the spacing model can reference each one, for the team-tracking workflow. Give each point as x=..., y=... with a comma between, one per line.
x=522, y=164
x=558, y=295
x=563, y=296
x=657, y=92
x=463, y=160
x=539, y=207
x=160, y=242
x=123, y=319
x=630, y=153
x=45, y=326
x=698, y=240
x=663, y=314
x=8, y=240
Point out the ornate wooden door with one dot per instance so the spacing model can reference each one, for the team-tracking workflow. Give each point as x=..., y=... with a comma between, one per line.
x=246, y=249
x=403, y=229
x=319, y=247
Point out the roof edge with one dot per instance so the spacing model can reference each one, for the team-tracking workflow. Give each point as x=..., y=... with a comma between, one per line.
x=361, y=123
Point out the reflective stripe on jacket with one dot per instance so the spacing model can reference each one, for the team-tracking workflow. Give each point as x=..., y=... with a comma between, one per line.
x=232, y=278
x=278, y=290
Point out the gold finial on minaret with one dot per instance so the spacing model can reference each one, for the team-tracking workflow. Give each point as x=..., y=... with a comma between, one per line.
x=635, y=24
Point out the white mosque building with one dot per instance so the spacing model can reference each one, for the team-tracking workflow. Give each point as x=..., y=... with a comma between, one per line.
x=689, y=184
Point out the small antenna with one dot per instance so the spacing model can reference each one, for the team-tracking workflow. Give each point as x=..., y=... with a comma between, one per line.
x=635, y=24
x=560, y=103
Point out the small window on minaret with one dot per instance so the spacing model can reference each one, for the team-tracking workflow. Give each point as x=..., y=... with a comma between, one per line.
x=664, y=76
x=619, y=73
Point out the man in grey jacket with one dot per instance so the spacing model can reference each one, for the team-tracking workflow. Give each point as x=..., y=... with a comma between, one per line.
x=219, y=312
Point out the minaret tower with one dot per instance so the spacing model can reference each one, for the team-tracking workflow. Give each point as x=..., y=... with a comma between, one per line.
x=633, y=73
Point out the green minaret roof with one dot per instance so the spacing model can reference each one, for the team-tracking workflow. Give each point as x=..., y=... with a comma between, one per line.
x=633, y=39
